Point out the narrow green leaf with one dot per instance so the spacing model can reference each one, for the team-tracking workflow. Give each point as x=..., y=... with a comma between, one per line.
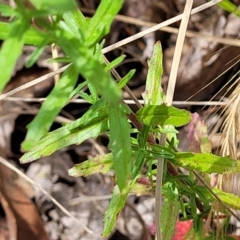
x=78, y=89
x=153, y=94
x=93, y=92
x=11, y=49
x=100, y=23
x=139, y=158
x=59, y=60
x=97, y=51
x=6, y=10
x=115, y=63
x=86, y=97
x=162, y=154
x=206, y=162
x=163, y=115
x=170, y=212
x=54, y=142
x=161, y=149
x=193, y=207
x=76, y=22
x=31, y=37
x=35, y=55
x=199, y=190
x=98, y=164
x=115, y=206
x=4, y=30
x=120, y=144
x=123, y=82
x=97, y=112
x=230, y=7
x=55, y=101
x=142, y=137
x=57, y=6
x=89, y=65
x=185, y=190
x=229, y=199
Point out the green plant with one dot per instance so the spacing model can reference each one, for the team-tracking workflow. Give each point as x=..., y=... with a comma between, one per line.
x=79, y=38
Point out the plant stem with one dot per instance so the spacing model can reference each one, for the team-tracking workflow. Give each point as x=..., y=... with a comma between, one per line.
x=169, y=99
x=158, y=194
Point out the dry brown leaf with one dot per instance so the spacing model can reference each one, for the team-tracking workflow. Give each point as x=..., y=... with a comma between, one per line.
x=28, y=224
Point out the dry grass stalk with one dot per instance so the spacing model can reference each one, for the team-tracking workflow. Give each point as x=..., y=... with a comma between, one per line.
x=231, y=130
x=231, y=133
x=169, y=99
x=231, y=124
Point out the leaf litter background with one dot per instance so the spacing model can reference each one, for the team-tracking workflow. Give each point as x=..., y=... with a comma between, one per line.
x=22, y=208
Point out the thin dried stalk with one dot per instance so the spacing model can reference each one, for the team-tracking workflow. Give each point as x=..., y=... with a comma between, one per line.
x=169, y=98
x=231, y=133
x=127, y=101
x=231, y=124
x=230, y=182
x=190, y=34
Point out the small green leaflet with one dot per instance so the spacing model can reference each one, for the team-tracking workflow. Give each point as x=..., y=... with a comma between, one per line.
x=229, y=199
x=36, y=54
x=115, y=63
x=76, y=22
x=153, y=94
x=11, y=49
x=206, y=162
x=139, y=158
x=100, y=23
x=230, y=7
x=163, y=115
x=31, y=37
x=6, y=10
x=142, y=137
x=97, y=112
x=120, y=143
x=99, y=164
x=123, y=81
x=160, y=151
x=199, y=190
x=115, y=206
x=170, y=212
